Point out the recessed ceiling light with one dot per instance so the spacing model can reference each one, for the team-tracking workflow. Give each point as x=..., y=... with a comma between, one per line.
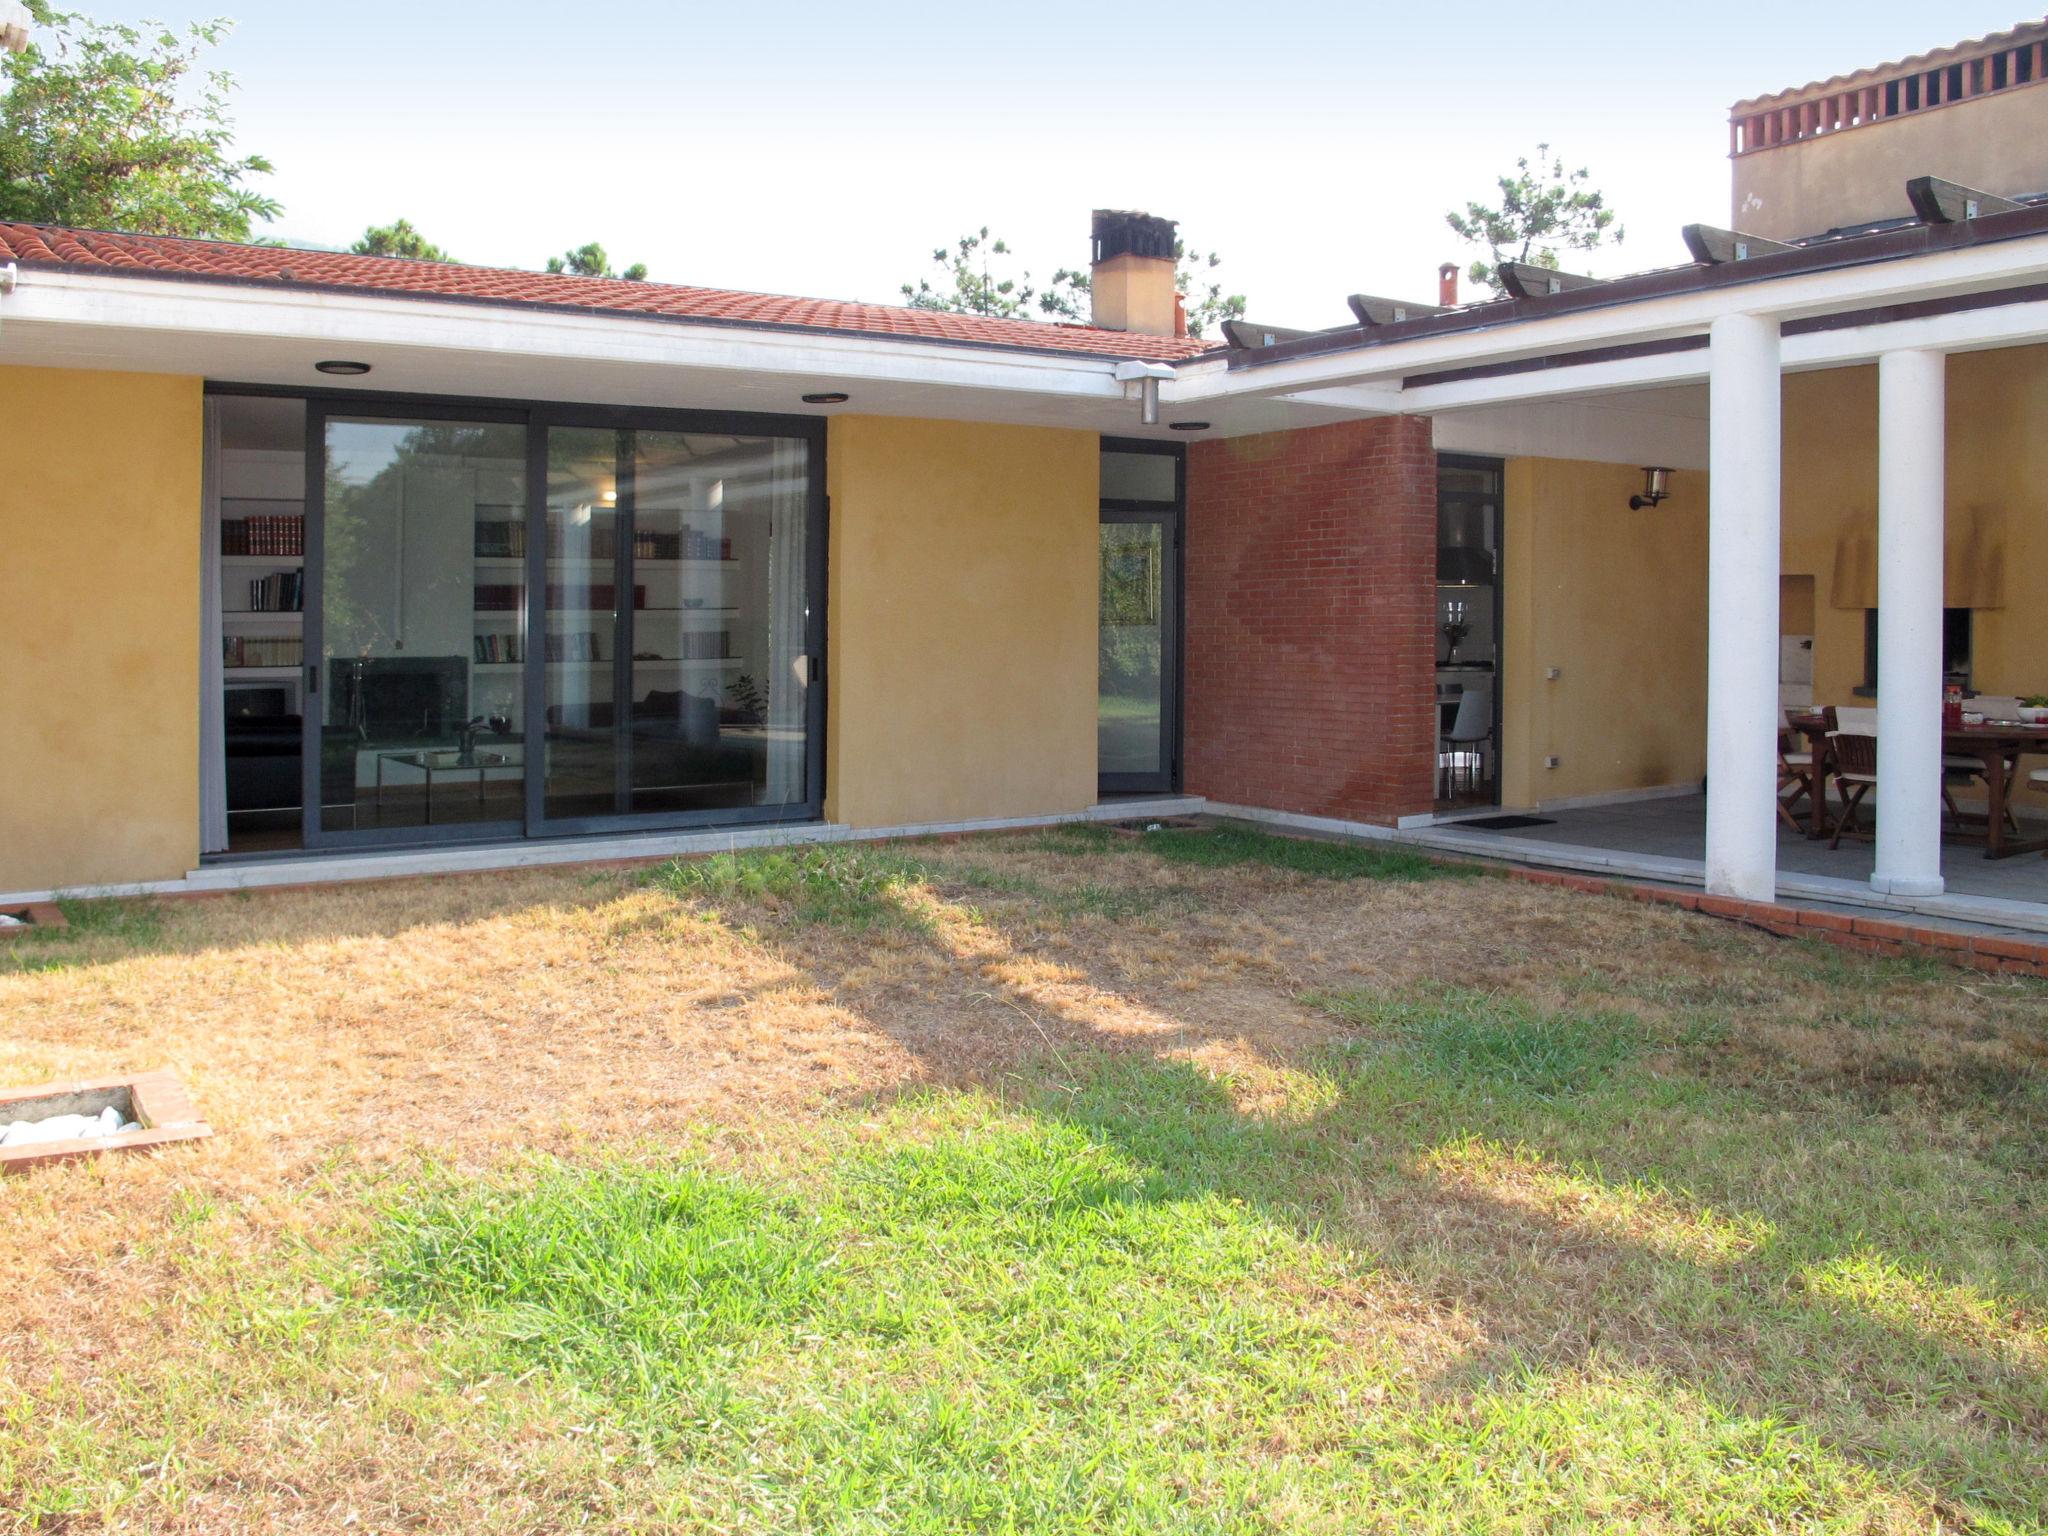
x=828, y=397
x=341, y=365
x=1189, y=426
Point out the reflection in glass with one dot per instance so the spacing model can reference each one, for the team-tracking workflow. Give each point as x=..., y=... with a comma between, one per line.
x=675, y=622
x=417, y=728
x=1130, y=714
x=1139, y=476
x=1468, y=575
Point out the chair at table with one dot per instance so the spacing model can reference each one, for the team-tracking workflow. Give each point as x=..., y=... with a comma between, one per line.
x=1853, y=744
x=1795, y=772
x=1964, y=771
x=1465, y=743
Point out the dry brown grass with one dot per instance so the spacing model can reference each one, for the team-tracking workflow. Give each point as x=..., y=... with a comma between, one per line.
x=465, y=1020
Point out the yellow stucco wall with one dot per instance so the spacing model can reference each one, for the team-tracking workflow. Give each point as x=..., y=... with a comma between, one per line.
x=99, y=626
x=961, y=621
x=1616, y=601
x=1997, y=484
x=1997, y=143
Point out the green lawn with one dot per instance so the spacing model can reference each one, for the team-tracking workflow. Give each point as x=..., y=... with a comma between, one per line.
x=1646, y=1223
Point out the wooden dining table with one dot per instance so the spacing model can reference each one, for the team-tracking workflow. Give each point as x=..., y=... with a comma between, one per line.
x=1998, y=745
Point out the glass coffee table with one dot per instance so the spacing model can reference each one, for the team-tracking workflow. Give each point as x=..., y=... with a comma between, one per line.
x=445, y=761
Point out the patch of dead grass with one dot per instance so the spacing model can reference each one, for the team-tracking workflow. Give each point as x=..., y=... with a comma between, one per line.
x=466, y=1020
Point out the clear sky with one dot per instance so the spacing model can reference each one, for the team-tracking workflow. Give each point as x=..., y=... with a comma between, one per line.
x=826, y=148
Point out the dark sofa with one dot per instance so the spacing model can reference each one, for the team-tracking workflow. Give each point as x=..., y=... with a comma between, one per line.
x=263, y=763
x=678, y=741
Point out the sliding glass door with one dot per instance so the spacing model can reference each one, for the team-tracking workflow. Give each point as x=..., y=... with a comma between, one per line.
x=409, y=735
x=551, y=621
x=675, y=608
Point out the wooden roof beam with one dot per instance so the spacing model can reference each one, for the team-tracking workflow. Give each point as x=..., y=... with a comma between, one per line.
x=1372, y=310
x=1947, y=202
x=1526, y=281
x=1711, y=247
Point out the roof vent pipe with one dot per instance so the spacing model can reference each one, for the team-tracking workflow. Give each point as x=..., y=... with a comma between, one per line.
x=1146, y=376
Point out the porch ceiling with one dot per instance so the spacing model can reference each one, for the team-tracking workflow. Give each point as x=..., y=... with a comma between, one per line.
x=1663, y=424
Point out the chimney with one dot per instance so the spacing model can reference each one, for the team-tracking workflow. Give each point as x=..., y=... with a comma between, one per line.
x=1447, y=285
x=1131, y=274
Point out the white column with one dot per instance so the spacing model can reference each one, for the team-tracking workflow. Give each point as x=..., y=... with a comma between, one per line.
x=1911, y=450
x=1742, y=609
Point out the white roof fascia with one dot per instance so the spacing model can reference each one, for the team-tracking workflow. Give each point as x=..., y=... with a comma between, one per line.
x=1971, y=330
x=196, y=307
x=1932, y=275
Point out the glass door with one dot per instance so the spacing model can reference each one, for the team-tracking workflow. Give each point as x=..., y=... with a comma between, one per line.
x=414, y=717
x=524, y=623
x=676, y=629
x=1468, y=630
x=1137, y=707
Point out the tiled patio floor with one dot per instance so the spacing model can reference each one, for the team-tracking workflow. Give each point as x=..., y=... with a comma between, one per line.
x=1663, y=831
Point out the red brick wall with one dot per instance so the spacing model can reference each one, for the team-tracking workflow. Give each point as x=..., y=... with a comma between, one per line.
x=1311, y=600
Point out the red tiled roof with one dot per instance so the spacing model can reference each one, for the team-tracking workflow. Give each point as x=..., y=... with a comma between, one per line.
x=38, y=245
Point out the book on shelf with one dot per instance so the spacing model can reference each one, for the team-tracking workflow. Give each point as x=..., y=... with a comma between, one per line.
x=265, y=534
x=690, y=544
x=509, y=597
x=706, y=645
x=500, y=538
x=573, y=645
x=499, y=597
x=262, y=651
x=600, y=541
x=500, y=648
x=279, y=592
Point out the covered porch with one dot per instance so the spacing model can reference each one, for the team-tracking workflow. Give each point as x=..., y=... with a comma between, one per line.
x=1852, y=435
x=1664, y=839
x=1658, y=660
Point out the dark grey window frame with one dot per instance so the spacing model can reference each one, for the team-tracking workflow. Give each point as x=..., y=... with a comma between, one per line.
x=536, y=416
x=1172, y=519
x=1487, y=464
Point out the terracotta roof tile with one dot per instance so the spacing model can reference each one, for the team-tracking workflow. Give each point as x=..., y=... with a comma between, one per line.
x=34, y=245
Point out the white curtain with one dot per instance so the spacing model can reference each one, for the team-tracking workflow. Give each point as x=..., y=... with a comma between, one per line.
x=788, y=664
x=213, y=771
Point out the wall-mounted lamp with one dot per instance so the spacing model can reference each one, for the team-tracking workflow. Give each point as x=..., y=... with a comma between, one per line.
x=1656, y=486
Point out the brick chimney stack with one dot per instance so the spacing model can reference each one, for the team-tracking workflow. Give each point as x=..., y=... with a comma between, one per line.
x=1447, y=285
x=1131, y=274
